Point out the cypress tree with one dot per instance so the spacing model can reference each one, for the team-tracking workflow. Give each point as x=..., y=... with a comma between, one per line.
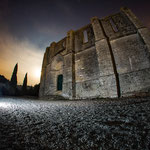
x=13, y=80
x=24, y=86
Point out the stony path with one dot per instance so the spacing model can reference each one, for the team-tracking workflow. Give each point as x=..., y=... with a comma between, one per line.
x=74, y=125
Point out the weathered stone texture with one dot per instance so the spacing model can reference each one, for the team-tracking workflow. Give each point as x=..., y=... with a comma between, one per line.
x=134, y=83
x=104, y=58
x=145, y=35
x=117, y=25
x=80, y=43
x=86, y=65
x=67, y=83
x=137, y=23
x=130, y=54
x=110, y=57
x=98, y=32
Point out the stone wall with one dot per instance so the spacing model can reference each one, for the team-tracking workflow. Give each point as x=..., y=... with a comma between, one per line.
x=110, y=57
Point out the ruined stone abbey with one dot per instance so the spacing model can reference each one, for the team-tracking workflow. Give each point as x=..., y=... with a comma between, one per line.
x=110, y=57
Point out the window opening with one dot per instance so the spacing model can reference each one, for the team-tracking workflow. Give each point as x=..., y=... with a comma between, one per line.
x=85, y=36
x=64, y=44
x=113, y=25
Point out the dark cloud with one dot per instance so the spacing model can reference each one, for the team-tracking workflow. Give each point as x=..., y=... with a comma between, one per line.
x=49, y=20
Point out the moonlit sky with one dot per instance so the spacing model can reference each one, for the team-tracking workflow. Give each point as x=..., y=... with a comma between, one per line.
x=27, y=27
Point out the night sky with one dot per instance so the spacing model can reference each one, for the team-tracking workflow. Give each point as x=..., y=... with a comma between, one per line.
x=27, y=27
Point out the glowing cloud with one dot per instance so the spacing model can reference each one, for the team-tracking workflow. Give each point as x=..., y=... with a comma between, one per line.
x=28, y=56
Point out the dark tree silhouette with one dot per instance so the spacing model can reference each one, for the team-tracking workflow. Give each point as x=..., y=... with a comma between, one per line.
x=13, y=80
x=24, y=86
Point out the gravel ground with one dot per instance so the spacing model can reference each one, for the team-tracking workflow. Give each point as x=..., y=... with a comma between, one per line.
x=75, y=125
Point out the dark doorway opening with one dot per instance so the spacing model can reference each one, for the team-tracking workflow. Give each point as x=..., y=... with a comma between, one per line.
x=59, y=82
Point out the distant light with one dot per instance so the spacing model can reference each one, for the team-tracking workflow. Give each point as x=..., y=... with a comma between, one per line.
x=38, y=72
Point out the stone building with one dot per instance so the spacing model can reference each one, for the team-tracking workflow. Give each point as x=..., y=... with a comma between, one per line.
x=110, y=57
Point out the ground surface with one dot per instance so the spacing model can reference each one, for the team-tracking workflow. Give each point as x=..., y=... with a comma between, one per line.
x=75, y=125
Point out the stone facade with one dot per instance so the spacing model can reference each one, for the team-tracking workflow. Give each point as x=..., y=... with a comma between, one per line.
x=110, y=57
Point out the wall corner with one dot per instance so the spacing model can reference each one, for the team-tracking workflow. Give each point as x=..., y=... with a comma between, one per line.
x=132, y=17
